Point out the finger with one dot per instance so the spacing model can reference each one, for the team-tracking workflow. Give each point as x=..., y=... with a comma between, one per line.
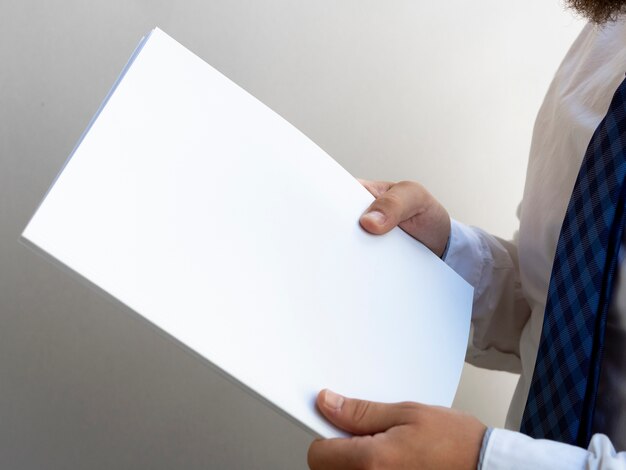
x=360, y=417
x=401, y=202
x=376, y=188
x=339, y=454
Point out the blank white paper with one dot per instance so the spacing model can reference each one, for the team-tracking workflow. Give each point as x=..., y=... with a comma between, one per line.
x=212, y=217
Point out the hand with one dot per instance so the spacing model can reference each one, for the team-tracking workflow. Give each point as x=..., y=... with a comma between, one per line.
x=403, y=436
x=408, y=205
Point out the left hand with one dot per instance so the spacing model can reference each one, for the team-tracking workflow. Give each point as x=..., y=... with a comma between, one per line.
x=411, y=207
x=404, y=436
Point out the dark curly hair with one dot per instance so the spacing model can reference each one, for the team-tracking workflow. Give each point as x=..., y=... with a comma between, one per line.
x=598, y=11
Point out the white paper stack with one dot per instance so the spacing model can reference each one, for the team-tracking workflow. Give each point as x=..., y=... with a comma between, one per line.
x=216, y=220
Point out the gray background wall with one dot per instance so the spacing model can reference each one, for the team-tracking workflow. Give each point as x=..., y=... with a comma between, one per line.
x=441, y=92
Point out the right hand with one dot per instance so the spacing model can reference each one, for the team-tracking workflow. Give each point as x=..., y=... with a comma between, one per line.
x=408, y=205
x=399, y=436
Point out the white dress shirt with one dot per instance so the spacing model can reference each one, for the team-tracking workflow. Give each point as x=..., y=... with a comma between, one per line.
x=511, y=279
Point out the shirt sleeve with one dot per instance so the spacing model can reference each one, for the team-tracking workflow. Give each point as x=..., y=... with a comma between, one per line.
x=500, y=311
x=511, y=450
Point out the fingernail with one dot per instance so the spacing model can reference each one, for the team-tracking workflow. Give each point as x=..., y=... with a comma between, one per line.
x=377, y=217
x=333, y=401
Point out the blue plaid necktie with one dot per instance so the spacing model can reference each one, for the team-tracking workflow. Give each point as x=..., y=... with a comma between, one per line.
x=564, y=387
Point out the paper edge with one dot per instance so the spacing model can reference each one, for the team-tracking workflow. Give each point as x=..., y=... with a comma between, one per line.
x=91, y=122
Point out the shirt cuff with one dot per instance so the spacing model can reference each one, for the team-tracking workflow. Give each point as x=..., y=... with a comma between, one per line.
x=511, y=450
x=466, y=253
x=483, y=448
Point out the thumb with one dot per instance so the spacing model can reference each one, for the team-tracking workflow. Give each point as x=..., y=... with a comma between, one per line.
x=360, y=416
